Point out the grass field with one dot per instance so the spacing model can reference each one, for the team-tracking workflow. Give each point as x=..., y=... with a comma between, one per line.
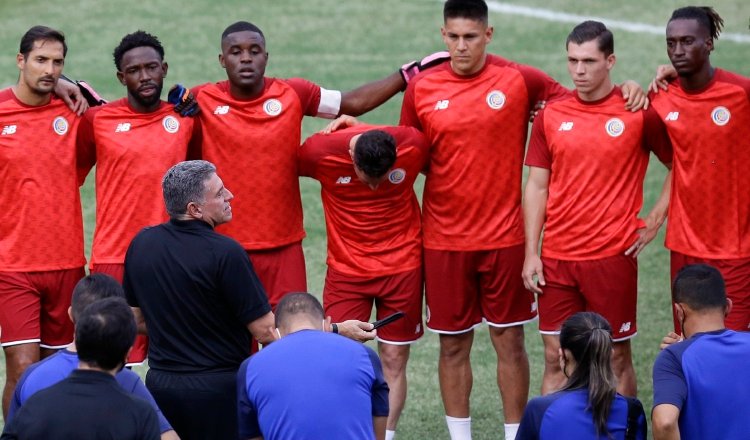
x=341, y=44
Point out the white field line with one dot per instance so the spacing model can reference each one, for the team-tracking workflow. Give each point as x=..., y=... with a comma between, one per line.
x=562, y=17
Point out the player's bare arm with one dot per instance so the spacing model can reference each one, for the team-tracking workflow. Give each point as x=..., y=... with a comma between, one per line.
x=635, y=97
x=534, y=208
x=343, y=121
x=664, y=422
x=263, y=329
x=654, y=219
x=71, y=95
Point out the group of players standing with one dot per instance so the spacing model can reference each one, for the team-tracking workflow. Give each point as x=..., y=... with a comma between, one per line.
x=464, y=124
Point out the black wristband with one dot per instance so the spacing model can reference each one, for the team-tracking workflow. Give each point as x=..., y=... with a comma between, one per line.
x=335, y=328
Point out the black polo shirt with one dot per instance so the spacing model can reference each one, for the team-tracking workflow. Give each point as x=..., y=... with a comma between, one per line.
x=86, y=405
x=197, y=291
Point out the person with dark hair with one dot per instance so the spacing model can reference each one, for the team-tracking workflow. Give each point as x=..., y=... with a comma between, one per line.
x=699, y=382
x=194, y=291
x=92, y=288
x=311, y=384
x=41, y=255
x=367, y=176
x=707, y=115
x=588, y=405
x=471, y=217
x=89, y=404
x=251, y=131
x=592, y=233
x=141, y=125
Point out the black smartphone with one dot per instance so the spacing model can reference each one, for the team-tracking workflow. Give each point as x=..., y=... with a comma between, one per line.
x=387, y=320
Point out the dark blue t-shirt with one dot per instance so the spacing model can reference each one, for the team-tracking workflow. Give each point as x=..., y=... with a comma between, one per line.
x=57, y=367
x=311, y=384
x=708, y=378
x=564, y=415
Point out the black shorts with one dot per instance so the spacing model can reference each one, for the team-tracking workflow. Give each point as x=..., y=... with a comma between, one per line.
x=200, y=406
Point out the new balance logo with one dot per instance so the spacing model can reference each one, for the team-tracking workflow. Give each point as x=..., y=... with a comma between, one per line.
x=343, y=180
x=442, y=105
x=672, y=116
x=565, y=126
x=9, y=129
x=221, y=110
x=123, y=127
x=625, y=327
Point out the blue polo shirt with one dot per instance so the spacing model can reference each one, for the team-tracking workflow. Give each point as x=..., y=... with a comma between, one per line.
x=565, y=415
x=57, y=367
x=311, y=384
x=708, y=378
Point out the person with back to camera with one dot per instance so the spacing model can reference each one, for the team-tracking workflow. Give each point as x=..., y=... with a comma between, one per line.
x=588, y=406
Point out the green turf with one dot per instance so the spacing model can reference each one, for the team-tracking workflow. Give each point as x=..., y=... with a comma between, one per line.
x=341, y=44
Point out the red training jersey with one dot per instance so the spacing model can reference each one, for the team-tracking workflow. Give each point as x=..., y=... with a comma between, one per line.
x=371, y=233
x=709, y=210
x=41, y=228
x=132, y=151
x=477, y=126
x=254, y=147
x=597, y=153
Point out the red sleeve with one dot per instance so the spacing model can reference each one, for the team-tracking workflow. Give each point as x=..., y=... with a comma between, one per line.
x=85, y=144
x=308, y=93
x=539, y=154
x=195, y=146
x=733, y=78
x=655, y=136
x=541, y=87
x=408, y=108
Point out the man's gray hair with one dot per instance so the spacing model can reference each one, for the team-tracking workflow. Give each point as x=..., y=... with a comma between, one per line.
x=185, y=183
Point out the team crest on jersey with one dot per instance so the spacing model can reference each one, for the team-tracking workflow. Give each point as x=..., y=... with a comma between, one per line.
x=397, y=176
x=60, y=125
x=614, y=127
x=720, y=116
x=496, y=99
x=272, y=107
x=170, y=123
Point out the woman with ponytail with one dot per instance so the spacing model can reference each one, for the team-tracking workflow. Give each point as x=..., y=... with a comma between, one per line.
x=588, y=406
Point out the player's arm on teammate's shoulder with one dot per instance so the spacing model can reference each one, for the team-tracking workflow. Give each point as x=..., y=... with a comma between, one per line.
x=635, y=97
x=669, y=339
x=78, y=95
x=665, y=73
x=343, y=121
x=169, y=435
x=535, y=197
x=369, y=96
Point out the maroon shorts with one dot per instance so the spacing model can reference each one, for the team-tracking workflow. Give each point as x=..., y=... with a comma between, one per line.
x=140, y=346
x=464, y=287
x=281, y=270
x=736, y=273
x=34, y=307
x=607, y=286
x=349, y=297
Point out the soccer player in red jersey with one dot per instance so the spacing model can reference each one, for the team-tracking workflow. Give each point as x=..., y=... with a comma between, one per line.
x=707, y=115
x=135, y=139
x=251, y=130
x=367, y=176
x=474, y=110
x=587, y=160
x=41, y=239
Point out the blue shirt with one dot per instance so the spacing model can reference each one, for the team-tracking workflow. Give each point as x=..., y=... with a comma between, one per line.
x=708, y=378
x=57, y=367
x=564, y=415
x=311, y=385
